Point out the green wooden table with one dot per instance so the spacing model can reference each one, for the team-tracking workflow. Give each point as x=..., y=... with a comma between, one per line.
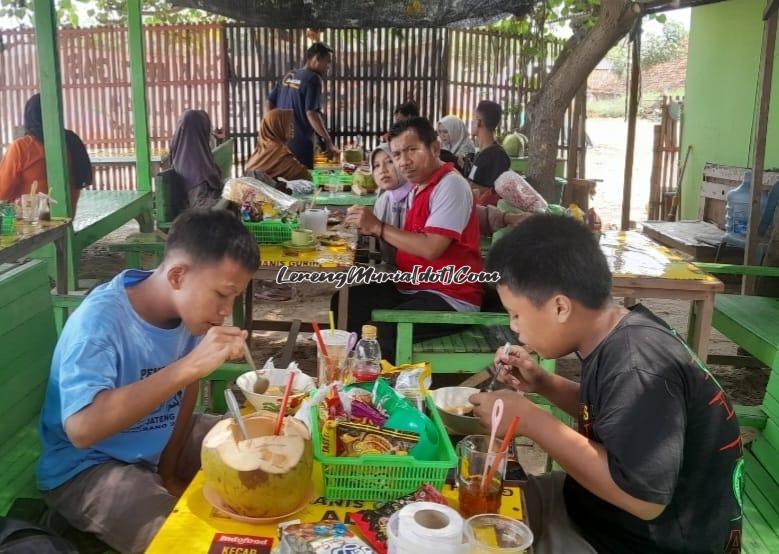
x=100, y=212
x=29, y=237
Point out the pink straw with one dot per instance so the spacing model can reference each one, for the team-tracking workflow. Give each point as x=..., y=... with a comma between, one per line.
x=507, y=440
x=497, y=416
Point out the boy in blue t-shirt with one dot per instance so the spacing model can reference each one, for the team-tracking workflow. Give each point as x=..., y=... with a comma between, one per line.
x=120, y=440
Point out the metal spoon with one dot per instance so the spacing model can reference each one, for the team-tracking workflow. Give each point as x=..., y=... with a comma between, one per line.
x=498, y=368
x=261, y=384
x=232, y=405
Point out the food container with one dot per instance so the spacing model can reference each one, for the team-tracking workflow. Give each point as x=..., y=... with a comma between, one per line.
x=453, y=406
x=271, y=400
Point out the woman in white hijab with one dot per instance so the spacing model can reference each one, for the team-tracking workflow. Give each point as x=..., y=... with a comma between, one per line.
x=453, y=135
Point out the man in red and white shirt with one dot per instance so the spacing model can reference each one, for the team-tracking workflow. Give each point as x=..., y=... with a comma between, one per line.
x=441, y=229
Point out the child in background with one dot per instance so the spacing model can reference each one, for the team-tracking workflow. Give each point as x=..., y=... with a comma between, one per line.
x=392, y=202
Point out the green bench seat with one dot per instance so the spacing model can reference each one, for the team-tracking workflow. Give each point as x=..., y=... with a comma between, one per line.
x=467, y=351
x=752, y=322
x=28, y=336
x=760, y=526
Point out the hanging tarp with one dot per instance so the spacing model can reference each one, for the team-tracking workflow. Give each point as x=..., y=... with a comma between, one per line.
x=320, y=14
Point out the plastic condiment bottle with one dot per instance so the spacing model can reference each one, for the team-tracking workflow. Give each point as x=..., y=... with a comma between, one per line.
x=367, y=356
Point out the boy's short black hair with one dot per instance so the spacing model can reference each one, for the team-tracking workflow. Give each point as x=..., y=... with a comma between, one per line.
x=318, y=49
x=208, y=236
x=490, y=113
x=407, y=109
x=549, y=254
x=423, y=128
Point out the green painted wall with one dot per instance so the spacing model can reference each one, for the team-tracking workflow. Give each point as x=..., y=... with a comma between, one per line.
x=720, y=97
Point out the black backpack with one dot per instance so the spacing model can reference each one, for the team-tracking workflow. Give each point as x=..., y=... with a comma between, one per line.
x=21, y=537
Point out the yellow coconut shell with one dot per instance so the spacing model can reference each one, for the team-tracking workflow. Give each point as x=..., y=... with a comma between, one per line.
x=265, y=476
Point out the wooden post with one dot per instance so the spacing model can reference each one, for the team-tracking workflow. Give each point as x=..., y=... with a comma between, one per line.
x=635, y=71
x=758, y=157
x=582, y=170
x=572, y=170
x=57, y=169
x=57, y=174
x=655, y=187
x=138, y=83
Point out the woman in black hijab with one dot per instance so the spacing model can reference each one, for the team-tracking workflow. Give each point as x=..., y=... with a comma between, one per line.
x=191, y=159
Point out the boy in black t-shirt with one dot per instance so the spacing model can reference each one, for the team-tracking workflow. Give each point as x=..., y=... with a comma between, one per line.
x=491, y=161
x=655, y=465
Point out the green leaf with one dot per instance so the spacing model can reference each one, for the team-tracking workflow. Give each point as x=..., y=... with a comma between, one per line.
x=661, y=18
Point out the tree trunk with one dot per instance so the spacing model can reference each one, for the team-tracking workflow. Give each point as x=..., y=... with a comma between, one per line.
x=547, y=107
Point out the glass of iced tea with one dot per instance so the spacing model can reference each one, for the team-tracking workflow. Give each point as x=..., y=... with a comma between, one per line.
x=476, y=497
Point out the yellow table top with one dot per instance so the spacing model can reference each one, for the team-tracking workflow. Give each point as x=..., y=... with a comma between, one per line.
x=633, y=254
x=192, y=525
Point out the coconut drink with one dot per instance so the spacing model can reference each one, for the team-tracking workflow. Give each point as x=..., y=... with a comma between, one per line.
x=265, y=476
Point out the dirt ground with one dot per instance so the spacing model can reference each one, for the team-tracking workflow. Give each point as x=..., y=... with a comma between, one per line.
x=605, y=161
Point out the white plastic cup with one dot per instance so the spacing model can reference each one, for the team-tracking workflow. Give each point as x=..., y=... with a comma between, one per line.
x=497, y=534
x=338, y=344
x=315, y=220
x=30, y=207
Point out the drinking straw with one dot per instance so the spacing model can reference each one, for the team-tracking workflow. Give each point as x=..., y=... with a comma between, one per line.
x=508, y=438
x=497, y=416
x=332, y=323
x=323, y=348
x=284, y=402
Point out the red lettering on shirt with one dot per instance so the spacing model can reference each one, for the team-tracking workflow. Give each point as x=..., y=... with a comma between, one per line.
x=719, y=400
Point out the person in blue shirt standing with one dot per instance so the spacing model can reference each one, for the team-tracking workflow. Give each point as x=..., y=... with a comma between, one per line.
x=301, y=91
x=120, y=439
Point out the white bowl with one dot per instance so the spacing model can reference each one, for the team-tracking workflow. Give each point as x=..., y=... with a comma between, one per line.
x=277, y=378
x=449, y=401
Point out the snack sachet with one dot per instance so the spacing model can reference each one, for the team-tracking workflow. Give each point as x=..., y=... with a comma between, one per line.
x=358, y=439
x=325, y=537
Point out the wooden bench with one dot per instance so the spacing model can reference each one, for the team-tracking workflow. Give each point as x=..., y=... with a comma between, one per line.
x=760, y=495
x=760, y=498
x=701, y=238
x=752, y=322
x=28, y=336
x=466, y=351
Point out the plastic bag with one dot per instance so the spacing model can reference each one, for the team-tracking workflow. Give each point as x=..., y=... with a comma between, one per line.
x=518, y=192
x=245, y=189
x=299, y=186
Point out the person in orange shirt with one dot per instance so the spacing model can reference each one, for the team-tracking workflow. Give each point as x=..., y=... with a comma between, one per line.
x=25, y=161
